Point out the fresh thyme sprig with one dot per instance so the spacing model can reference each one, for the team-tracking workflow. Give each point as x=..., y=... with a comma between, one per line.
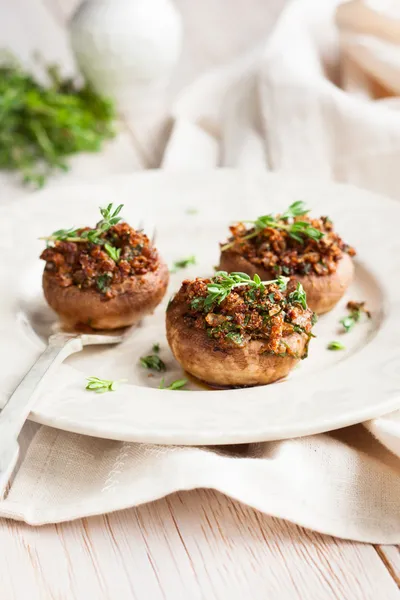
x=153, y=361
x=41, y=124
x=102, y=385
x=222, y=283
x=110, y=218
x=297, y=230
x=178, y=384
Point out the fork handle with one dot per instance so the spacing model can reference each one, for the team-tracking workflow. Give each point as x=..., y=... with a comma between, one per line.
x=17, y=409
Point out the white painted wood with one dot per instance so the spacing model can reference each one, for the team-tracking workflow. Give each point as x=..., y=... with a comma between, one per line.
x=190, y=546
x=390, y=555
x=194, y=545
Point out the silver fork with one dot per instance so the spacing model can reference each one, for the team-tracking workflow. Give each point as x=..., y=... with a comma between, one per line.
x=18, y=407
x=16, y=411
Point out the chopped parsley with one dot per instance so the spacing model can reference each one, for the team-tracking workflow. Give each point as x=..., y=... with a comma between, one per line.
x=235, y=337
x=103, y=281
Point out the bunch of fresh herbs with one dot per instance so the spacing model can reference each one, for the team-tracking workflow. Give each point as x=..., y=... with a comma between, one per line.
x=40, y=125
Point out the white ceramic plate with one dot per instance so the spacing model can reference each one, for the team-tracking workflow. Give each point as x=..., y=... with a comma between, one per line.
x=327, y=391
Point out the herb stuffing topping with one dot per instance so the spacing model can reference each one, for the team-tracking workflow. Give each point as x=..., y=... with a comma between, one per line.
x=101, y=257
x=290, y=243
x=234, y=309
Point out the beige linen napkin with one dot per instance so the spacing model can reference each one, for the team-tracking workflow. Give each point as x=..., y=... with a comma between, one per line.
x=278, y=108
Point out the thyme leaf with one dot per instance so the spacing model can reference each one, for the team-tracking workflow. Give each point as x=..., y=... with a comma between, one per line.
x=112, y=252
x=95, y=384
x=336, y=346
x=178, y=384
x=183, y=263
x=298, y=296
x=154, y=362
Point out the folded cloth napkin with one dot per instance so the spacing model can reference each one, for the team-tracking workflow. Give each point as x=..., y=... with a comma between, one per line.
x=279, y=107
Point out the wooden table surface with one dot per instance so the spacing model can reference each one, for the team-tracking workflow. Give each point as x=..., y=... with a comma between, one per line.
x=193, y=545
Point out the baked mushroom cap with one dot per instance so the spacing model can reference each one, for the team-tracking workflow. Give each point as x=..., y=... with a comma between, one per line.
x=307, y=250
x=134, y=298
x=254, y=336
x=106, y=277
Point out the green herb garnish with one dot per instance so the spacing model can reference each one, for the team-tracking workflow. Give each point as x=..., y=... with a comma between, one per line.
x=178, y=384
x=336, y=346
x=222, y=283
x=297, y=230
x=153, y=361
x=183, y=263
x=235, y=337
x=156, y=347
x=349, y=322
x=101, y=385
x=103, y=281
x=110, y=218
x=299, y=296
x=41, y=125
x=112, y=252
x=356, y=309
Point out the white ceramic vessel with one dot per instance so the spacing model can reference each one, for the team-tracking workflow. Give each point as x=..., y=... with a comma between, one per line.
x=127, y=48
x=328, y=390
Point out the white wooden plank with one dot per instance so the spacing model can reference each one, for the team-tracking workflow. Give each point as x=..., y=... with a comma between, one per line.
x=390, y=555
x=237, y=553
x=196, y=545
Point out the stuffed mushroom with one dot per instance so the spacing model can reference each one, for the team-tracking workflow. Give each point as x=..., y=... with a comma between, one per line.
x=295, y=245
x=105, y=277
x=232, y=330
